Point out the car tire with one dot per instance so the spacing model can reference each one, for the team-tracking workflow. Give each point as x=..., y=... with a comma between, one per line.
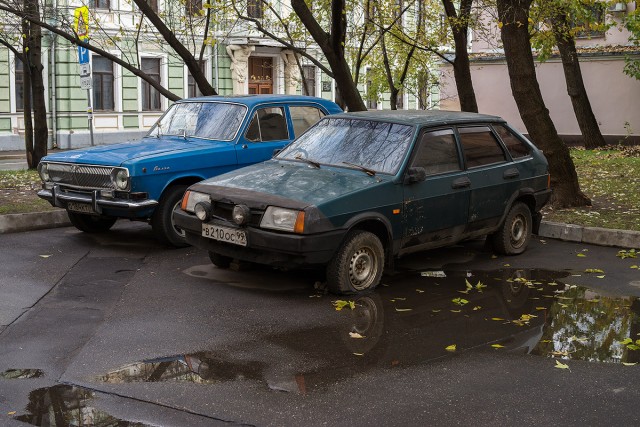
x=162, y=223
x=91, y=223
x=357, y=265
x=514, y=234
x=220, y=261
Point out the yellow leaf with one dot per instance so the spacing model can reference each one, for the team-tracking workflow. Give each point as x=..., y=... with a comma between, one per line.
x=45, y=256
x=355, y=335
x=476, y=308
x=497, y=346
x=452, y=347
x=340, y=304
x=420, y=291
x=581, y=255
x=456, y=311
x=358, y=354
x=635, y=267
x=500, y=25
x=600, y=277
x=629, y=364
x=498, y=319
x=560, y=365
x=507, y=265
x=404, y=309
x=11, y=413
x=541, y=308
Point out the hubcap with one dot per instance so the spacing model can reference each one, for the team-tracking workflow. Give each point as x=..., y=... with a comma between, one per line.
x=518, y=231
x=178, y=231
x=363, y=268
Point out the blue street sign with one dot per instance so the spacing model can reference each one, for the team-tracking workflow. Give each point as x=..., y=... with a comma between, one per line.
x=83, y=55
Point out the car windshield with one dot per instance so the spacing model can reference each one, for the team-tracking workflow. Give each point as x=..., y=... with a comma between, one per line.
x=210, y=120
x=377, y=146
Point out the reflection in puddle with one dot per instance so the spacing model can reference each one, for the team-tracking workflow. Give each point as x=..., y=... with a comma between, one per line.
x=419, y=318
x=64, y=405
x=21, y=374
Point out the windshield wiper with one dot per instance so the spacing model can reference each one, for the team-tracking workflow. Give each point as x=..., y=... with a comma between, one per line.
x=368, y=171
x=308, y=161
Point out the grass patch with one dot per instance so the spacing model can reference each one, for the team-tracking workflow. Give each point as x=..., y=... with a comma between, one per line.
x=611, y=178
x=18, y=192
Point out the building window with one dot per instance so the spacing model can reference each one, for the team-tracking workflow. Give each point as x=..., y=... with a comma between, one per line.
x=309, y=81
x=102, y=84
x=150, y=95
x=192, y=88
x=193, y=7
x=19, y=85
x=101, y=4
x=255, y=9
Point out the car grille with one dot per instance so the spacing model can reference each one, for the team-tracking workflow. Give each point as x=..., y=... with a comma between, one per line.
x=224, y=211
x=81, y=176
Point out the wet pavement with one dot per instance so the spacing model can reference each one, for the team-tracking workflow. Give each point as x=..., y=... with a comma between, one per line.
x=134, y=334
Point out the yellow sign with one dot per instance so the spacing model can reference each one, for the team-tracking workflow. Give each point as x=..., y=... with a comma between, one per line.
x=81, y=21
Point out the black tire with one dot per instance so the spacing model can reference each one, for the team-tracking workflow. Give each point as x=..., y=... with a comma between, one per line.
x=219, y=261
x=514, y=235
x=358, y=264
x=162, y=220
x=91, y=223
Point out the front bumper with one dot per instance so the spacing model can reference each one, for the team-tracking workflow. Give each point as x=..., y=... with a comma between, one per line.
x=267, y=247
x=59, y=197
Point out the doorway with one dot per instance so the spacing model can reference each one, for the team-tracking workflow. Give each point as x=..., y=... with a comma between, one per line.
x=260, y=75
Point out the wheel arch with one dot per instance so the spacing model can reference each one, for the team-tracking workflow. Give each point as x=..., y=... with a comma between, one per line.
x=380, y=226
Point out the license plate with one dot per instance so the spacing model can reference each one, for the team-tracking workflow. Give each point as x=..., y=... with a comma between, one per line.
x=225, y=234
x=80, y=207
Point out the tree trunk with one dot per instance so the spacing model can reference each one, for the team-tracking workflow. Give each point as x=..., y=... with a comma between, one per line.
x=461, y=69
x=591, y=134
x=514, y=15
x=332, y=45
x=26, y=95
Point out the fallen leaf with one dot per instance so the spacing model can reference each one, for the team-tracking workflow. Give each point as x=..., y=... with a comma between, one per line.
x=459, y=301
x=358, y=354
x=507, y=265
x=635, y=267
x=497, y=346
x=476, y=308
x=436, y=311
x=560, y=365
x=404, y=309
x=11, y=413
x=581, y=255
x=541, y=308
x=355, y=335
x=480, y=286
x=340, y=304
x=629, y=364
x=452, y=347
x=456, y=311
x=593, y=270
x=600, y=277
x=497, y=319
x=45, y=256
x=420, y=291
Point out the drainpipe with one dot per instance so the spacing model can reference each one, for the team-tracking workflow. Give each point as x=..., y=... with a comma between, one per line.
x=54, y=100
x=215, y=67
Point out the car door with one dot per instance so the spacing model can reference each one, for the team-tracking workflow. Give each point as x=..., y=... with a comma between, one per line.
x=435, y=209
x=268, y=130
x=493, y=177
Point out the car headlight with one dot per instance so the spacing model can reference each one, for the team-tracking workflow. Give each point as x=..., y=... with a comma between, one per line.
x=283, y=219
x=241, y=214
x=120, y=178
x=191, y=198
x=43, y=170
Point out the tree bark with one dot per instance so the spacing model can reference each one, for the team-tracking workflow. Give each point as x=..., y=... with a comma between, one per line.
x=332, y=45
x=591, y=134
x=461, y=68
x=514, y=16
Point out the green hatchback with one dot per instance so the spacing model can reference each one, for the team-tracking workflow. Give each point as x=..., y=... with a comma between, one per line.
x=360, y=189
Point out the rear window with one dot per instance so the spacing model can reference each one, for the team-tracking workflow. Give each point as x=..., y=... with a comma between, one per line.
x=517, y=148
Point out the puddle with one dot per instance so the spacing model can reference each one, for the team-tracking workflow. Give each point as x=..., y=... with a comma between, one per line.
x=21, y=374
x=420, y=318
x=64, y=405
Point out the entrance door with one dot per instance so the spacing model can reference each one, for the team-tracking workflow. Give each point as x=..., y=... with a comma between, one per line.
x=260, y=75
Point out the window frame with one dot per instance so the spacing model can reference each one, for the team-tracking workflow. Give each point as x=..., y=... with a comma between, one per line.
x=100, y=74
x=147, y=89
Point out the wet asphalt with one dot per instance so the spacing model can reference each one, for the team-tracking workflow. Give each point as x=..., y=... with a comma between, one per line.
x=120, y=328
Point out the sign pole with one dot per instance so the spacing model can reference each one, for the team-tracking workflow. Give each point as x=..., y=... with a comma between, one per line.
x=90, y=113
x=81, y=25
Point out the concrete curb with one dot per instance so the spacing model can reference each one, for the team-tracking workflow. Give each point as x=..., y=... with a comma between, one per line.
x=12, y=223
x=572, y=233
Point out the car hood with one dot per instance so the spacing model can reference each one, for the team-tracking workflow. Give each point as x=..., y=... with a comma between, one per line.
x=279, y=181
x=117, y=154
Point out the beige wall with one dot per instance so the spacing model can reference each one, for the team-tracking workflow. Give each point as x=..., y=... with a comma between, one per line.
x=615, y=97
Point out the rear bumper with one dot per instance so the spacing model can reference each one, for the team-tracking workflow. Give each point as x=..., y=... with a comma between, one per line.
x=265, y=247
x=59, y=198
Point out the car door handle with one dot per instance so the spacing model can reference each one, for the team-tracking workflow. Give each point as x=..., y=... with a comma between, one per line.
x=463, y=182
x=511, y=173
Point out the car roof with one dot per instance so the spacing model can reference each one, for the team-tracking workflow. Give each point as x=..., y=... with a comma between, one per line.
x=251, y=100
x=422, y=117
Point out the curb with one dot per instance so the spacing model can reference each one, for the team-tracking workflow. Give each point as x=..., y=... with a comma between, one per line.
x=13, y=223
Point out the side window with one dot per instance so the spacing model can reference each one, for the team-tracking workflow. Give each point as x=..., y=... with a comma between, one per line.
x=516, y=147
x=268, y=124
x=437, y=152
x=480, y=146
x=303, y=117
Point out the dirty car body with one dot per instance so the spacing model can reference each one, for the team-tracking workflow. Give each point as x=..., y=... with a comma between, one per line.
x=359, y=189
x=195, y=139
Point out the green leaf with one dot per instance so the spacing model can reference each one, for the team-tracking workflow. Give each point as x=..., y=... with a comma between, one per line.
x=497, y=346
x=340, y=304
x=460, y=301
x=452, y=347
x=581, y=255
x=560, y=365
x=626, y=341
x=593, y=270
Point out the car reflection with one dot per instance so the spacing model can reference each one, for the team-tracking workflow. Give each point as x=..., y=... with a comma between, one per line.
x=524, y=311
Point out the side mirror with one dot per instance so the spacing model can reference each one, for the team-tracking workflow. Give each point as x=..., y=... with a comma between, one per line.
x=415, y=174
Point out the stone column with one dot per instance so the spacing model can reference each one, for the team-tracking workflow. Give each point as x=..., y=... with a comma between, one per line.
x=291, y=72
x=239, y=66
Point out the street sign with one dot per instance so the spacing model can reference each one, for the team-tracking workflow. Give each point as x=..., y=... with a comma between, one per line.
x=83, y=55
x=85, y=82
x=85, y=70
